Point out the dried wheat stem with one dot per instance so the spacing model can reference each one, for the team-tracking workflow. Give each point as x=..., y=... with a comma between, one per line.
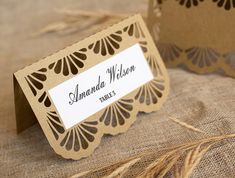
x=167, y=160
x=120, y=171
x=155, y=166
x=201, y=141
x=80, y=174
x=160, y=166
x=117, y=164
x=78, y=20
x=168, y=167
x=92, y=14
x=54, y=27
x=69, y=27
x=183, y=124
x=192, y=159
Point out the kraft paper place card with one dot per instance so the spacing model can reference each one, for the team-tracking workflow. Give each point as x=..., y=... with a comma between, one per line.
x=94, y=87
x=195, y=34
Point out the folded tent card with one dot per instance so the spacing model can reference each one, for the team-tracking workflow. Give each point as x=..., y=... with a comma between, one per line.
x=94, y=87
x=195, y=34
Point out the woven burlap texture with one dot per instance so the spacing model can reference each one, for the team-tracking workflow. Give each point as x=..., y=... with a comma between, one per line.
x=206, y=102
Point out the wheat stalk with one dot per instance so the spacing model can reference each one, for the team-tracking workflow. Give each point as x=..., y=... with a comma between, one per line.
x=78, y=20
x=192, y=159
x=68, y=26
x=162, y=165
x=80, y=174
x=183, y=124
x=120, y=171
x=93, y=14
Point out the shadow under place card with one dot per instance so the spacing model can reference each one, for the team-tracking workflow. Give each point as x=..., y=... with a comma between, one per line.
x=94, y=87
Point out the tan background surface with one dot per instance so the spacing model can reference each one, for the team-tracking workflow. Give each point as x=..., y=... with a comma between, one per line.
x=206, y=102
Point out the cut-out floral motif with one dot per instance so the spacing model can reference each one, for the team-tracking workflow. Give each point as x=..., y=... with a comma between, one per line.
x=76, y=138
x=107, y=45
x=189, y=3
x=143, y=45
x=80, y=136
x=70, y=63
x=227, y=4
x=154, y=66
x=55, y=124
x=202, y=57
x=44, y=99
x=35, y=81
x=150, y=92
x=155, y=31
x=230, y=58
x=134, y=30
x=117, y=113
x=169, y=52
x=202, y=60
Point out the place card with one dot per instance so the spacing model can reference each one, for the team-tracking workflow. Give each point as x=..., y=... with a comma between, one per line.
x=102, y=84
x=94, y=87
x=195, y=34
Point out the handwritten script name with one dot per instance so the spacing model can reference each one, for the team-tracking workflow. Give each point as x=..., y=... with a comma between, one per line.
x=114, y=73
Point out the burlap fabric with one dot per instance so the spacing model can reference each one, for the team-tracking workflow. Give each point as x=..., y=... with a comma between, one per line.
x=204, y=101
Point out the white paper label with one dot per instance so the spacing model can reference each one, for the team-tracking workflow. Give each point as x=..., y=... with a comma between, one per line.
x=87, y=93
